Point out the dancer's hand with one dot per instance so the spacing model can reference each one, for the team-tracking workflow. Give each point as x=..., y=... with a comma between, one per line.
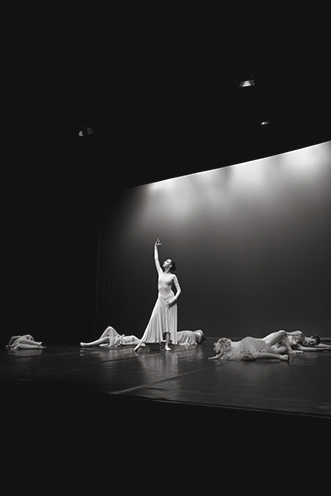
x=158, y=242
x=170, y=303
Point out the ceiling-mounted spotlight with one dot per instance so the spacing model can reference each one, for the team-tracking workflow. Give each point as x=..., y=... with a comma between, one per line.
x=247, y=82
x=86, y=131
x=244, y=79
x=264, y=123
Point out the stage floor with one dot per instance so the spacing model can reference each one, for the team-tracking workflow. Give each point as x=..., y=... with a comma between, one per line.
x=183, y=376
x=99, y=420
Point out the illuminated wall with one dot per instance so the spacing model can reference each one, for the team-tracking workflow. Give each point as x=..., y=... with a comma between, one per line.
x=251, y=242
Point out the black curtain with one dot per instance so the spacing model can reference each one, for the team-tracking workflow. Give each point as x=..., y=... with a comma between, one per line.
x=251, y=242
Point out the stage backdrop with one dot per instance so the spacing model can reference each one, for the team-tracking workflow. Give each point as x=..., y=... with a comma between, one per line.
x=252, y=244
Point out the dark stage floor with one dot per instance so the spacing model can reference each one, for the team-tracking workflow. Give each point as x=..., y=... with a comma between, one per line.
x=183, y=376
x=99, y=419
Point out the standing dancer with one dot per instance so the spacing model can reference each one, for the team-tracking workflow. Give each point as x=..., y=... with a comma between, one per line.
x=163, y=320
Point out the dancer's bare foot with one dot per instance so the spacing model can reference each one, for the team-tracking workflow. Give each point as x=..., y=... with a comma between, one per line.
x=167, y=348
x=83, y=344
x=285, y=358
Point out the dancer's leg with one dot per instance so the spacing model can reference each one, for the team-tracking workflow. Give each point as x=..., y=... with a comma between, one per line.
x=276, y=356
x=97, y=342
x=279, y=337
x=110, y=332
x=167, y=347
x=280, y=349
x=30, y=342
x=274, y=338
x=27, y=346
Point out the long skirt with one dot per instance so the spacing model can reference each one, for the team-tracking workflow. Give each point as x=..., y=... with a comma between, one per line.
x=162, y=320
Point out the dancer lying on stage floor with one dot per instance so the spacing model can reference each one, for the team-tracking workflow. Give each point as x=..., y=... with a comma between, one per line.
x=111, y=338
x=250, y=348
x=299, y=341
x=24, y=342
x=163, y=320
x=189, y=338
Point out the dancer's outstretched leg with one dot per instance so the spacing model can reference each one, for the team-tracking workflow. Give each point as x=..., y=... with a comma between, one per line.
x=97, y=342
x=279, y=337
x=275, y=355
x=28, y=346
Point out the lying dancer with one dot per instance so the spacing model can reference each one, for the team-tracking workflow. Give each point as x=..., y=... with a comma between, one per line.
x=250, y=348
x=24, y=342
x=189, y=338
x=163, y=320
x=111, y=338
x=299, y=341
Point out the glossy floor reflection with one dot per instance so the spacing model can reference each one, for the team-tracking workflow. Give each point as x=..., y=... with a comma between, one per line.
x=118, y=421
x=182, y=376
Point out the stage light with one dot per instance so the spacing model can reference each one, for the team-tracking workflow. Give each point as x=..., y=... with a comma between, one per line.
x=264, y=123
x=246, y=82
x=86, y=131
x=244, y=79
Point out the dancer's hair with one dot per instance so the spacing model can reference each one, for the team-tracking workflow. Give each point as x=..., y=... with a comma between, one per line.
x=316, y=339
x=224, y=345
x=173, y=266
x=201, y=335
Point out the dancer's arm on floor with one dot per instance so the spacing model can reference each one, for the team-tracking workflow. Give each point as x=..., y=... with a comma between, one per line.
x=216, y=357
x=318, y=347
x=221, y=357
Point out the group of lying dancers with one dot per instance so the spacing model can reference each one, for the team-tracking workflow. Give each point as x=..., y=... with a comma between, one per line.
x=279, y=345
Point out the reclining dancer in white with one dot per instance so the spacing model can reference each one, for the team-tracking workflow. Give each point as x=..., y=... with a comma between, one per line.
x=111, y=338
x=250, y=348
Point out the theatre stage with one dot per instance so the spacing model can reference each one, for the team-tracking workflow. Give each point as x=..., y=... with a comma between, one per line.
x=97, y=414
x=183, y=376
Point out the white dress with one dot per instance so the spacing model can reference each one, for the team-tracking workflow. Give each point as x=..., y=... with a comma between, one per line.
x=186, y=338
x=248, y=345
x=116, y=339
x=162, y=320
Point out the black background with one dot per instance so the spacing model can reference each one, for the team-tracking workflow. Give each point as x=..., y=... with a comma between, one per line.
x=160, y=93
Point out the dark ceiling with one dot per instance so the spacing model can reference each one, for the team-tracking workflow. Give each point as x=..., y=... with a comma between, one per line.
x=156, y=116
x=162, y=97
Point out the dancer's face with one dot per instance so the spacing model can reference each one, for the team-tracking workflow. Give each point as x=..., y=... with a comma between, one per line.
x=309, y=341
x=167, y=263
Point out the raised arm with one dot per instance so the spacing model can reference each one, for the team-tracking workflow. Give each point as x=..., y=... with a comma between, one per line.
x=156, y=255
